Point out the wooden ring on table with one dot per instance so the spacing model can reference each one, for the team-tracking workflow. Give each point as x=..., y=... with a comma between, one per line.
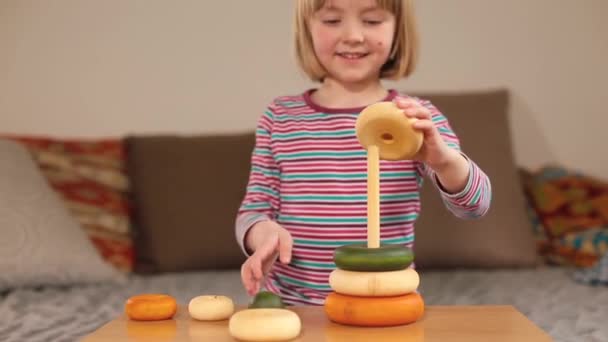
x=374, y=284
x=266, y=300
x=358, y=257
x=384, y=125
x=211, y=308
x=374, y=311
x=265, y=325
x=151, y=307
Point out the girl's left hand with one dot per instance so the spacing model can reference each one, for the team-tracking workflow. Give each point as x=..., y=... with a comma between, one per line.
x=434, y=151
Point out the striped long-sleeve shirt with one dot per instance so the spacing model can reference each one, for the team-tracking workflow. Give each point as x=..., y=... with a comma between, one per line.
x=309, y=174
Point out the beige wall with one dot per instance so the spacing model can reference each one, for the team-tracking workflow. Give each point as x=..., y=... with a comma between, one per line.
x=99, y=68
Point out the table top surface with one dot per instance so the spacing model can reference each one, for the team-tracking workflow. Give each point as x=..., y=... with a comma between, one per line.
x=439, y=323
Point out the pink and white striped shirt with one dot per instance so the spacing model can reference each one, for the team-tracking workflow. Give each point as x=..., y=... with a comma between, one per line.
x=309, y=174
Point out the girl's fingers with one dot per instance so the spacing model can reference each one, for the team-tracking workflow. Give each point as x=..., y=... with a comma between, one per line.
x=405, y=103
x=256, y=268
x=247, y=277
x=268, y=248
x=252, y=271
x=285, y=245
x=418, y=112
x=426, y=126
x=422, y=124
x=413, y=109
x=252, y=274
x=253, y=288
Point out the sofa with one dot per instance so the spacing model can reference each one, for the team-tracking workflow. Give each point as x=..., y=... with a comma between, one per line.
x=86, y=223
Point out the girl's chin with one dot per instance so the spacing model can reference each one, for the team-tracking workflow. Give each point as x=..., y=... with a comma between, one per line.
x=349, y=78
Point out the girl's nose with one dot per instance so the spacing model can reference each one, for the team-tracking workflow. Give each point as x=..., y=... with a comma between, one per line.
x=353, y=34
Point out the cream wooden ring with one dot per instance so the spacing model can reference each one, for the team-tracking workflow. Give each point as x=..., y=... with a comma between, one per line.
x=374, y=284
x=211, y=308
x=265, y=325
x=384, y=125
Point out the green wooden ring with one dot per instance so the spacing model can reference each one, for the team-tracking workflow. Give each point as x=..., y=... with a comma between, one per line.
x=358, y=257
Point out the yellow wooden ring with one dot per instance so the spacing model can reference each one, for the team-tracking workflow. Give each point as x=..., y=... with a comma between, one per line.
x=384, y=125
x=265, y=325
x=374, y=284
x=211, y=308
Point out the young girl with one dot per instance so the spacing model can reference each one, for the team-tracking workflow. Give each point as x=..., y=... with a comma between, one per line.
x=307, y=191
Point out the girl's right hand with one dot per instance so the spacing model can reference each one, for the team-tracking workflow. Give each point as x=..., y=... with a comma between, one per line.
x=268, y=240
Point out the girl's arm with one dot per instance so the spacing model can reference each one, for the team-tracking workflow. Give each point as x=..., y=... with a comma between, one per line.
x=261, y=201
x=464, y=187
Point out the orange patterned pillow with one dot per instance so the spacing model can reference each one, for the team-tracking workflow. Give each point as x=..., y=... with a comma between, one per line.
x=91, y=178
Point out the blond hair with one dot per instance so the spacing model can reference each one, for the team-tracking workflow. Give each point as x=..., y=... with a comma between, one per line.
x=404, y=52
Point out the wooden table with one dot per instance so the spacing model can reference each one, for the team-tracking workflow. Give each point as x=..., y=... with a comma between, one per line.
x=439, y=323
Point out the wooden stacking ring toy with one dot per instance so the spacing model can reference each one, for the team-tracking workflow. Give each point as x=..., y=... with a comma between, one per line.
x=358, y=257
x=265, y=319
x=151, y=307
x=374, y=311
x=385, y=126
x=374, y=284
x=210, y=308
x=265, y=325
x=386, y=133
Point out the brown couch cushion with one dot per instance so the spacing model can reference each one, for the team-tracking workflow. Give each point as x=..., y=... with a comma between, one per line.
x=503, y=237
x=187, y=192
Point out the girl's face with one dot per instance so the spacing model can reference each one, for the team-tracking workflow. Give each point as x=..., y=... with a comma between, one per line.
x=352, y=39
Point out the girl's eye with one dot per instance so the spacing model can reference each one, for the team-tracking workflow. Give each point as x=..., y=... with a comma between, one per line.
x=372, y=22
x=331, y=21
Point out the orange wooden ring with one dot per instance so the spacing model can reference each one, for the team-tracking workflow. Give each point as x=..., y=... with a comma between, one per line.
x=374, y=311
x=150, y=307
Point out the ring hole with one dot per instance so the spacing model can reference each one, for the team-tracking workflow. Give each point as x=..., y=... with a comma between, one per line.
x=387, y=138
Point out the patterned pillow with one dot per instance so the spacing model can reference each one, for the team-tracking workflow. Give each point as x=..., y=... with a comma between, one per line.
x=90, y=176
x=40, y=242
x=596, y=275
x=570, y=214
